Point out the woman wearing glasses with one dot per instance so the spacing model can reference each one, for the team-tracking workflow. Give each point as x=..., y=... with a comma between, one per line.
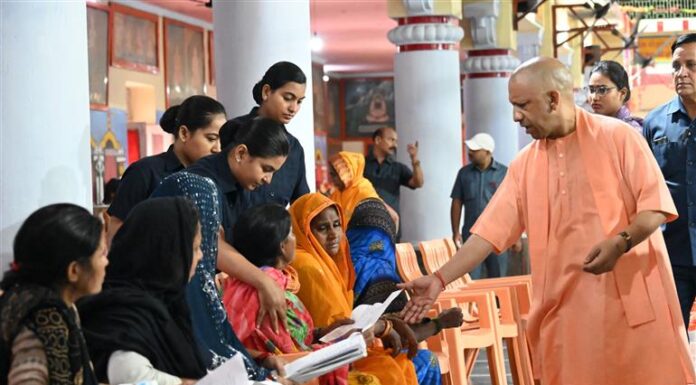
x=608, y=92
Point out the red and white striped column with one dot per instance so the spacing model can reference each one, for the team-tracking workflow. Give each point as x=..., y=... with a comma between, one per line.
x=428, y=110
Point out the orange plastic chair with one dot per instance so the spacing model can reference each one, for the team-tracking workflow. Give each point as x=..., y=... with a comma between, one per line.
x=407, y=262
x=450, y=246
x=519, y=290
x=437, y=344
x=464, y=345
x=514, y=297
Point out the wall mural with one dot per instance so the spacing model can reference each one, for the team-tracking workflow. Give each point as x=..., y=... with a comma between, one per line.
x=108, y=131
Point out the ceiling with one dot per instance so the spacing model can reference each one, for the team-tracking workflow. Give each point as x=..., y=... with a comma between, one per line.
x=354, y=32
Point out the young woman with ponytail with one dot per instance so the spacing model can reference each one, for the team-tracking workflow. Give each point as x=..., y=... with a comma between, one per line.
x=279, y=96
x=195, y=124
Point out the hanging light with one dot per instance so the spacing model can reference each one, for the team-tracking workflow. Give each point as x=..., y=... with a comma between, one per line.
x=316, y=43
x=325, y=78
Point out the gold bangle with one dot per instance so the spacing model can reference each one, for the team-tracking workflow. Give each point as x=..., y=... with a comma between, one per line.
x=387, y=328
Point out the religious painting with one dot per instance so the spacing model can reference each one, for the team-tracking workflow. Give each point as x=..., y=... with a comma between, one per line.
x=98, y=55
x=318, y=98
x=333, y=115
x=368, y=104
x=184, y=52
x=134, y=41
x=211, y=58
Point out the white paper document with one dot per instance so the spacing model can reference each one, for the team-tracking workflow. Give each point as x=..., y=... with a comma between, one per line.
x=365, y=316
x=327, y=359
x=232, y=372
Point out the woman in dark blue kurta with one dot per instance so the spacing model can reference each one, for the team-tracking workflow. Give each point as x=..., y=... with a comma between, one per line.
x=279, y=96
x=195, y=124
x=218, y=186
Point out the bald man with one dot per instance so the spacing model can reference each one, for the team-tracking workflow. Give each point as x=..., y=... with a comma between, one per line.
x=591, y=197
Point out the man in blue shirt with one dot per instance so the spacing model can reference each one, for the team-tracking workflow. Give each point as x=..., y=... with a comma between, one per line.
x=473, y=189
x=671, y=133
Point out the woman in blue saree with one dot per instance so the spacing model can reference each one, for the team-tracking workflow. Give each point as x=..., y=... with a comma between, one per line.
x=371, y=234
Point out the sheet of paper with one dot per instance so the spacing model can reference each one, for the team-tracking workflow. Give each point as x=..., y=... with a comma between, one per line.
x=232, y=372
x=365, y=316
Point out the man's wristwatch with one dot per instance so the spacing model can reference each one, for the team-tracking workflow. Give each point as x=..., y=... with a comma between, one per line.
x=629, y=240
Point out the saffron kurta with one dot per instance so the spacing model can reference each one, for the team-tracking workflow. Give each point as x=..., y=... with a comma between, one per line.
x=621, y=327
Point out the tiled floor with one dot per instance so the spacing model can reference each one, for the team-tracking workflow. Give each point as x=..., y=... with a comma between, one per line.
x=481, y=375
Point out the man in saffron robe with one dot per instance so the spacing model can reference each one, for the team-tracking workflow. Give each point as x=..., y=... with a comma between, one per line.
x=591, y=197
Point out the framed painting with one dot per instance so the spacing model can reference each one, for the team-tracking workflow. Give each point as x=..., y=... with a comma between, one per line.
x=319, y=98
x=98, y=55
x=334, y=106
x=367, y=104
x=134, y=39
x=184, y=61
x=211, y=58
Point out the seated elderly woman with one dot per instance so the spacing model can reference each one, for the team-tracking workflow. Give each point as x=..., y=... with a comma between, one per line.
x=371, y=236
x=59, y=257
x=264, y=236
x=139, y=327
x=327, y=280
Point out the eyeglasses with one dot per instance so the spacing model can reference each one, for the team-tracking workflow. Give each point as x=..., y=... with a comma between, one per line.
x=599, y=90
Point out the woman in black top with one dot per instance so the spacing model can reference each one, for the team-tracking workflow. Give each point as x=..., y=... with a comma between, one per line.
x=195, y=125
x=139, y=327
x=219, y=185
x=279, y=95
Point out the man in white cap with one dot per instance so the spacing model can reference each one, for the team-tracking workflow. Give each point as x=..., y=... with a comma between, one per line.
x=475, y=185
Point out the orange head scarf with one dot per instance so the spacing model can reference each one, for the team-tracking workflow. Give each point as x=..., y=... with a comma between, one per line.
x=350, y=166
x=326, y=283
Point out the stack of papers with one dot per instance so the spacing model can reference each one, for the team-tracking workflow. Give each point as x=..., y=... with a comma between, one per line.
x=365, y=316
x=317, y=363
x=327, y=359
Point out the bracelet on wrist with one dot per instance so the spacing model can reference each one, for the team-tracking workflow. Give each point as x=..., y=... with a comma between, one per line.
x=439, y=276
x=415, y=163
x=388, y=326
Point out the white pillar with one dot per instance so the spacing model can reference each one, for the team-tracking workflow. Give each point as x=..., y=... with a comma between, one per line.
x=44, y=112
x=487, y=71
x=428, y=105
x=530, y=36
x=250, y=36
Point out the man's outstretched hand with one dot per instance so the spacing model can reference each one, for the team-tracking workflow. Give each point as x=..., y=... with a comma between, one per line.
x=423, y=292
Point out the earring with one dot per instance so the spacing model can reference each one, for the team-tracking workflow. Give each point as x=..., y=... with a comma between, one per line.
x=238, y=160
